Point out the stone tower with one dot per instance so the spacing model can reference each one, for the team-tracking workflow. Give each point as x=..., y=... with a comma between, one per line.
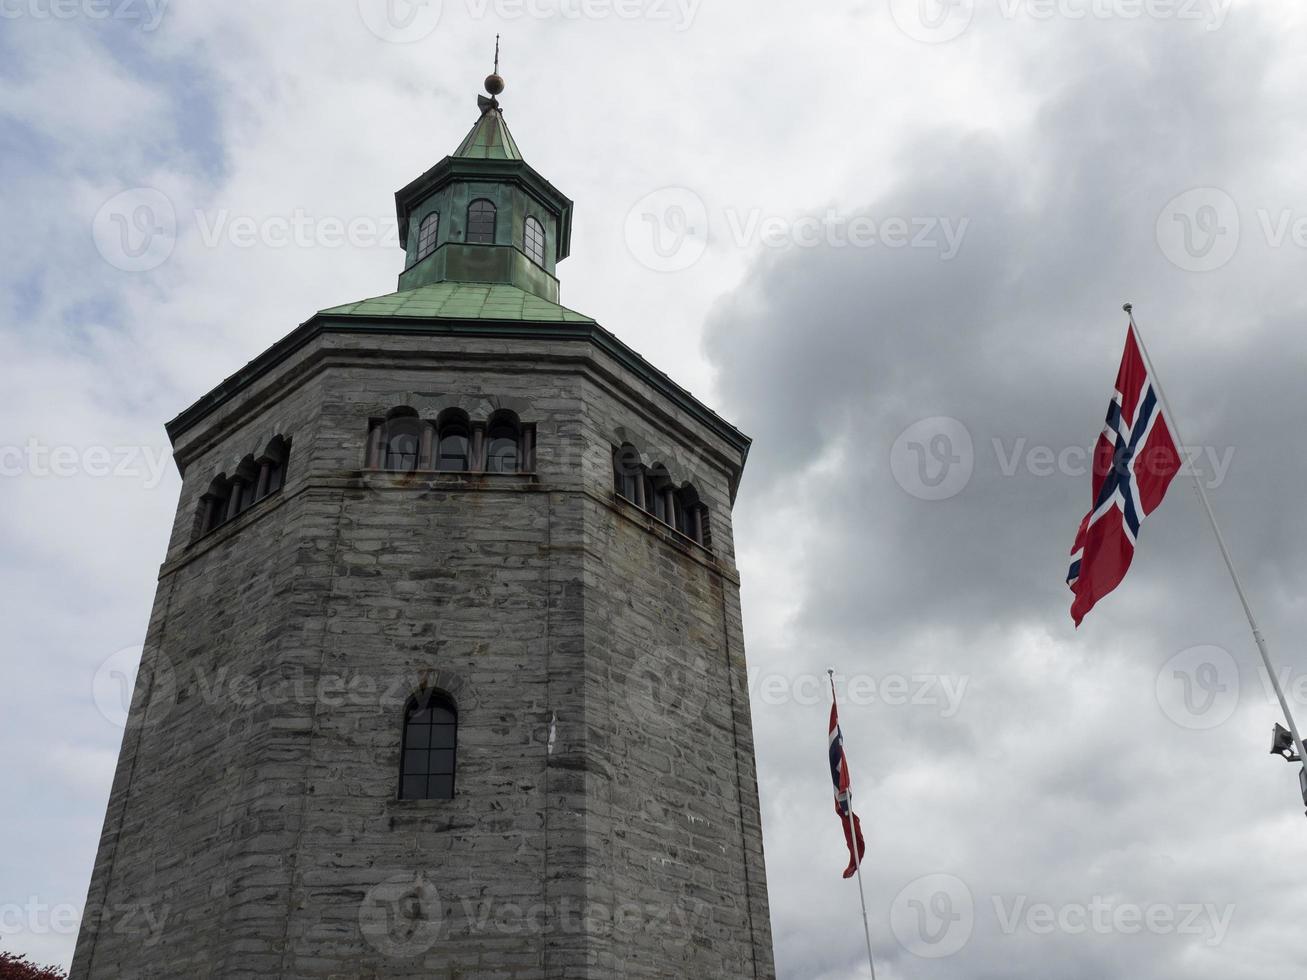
x=445, y=674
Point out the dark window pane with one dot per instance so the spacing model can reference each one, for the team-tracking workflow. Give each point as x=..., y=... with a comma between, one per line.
x=415, y=761
x=427, y=235
x=416, y=736
x=481, y=223
x=442, y=736
x=442, y=760
x=659, y=509
x=684, y=517
x=402, y=452
x=501, y=457
x=440, y=788
x=453, y=452
x=534, y=240
x=441, y=715
x=414, y=788
x=420, y=717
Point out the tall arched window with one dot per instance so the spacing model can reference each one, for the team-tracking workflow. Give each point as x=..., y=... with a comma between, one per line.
x=244, y=486
x=481, y=222
x=213, y=504
x=658, y=493
x=691, y=515
x=427, y=235
x=503, y=444
x=272, y=467
x=533, y=237
x=626, y=472
x=454, y=443
x=430, y=745
x=400, y=443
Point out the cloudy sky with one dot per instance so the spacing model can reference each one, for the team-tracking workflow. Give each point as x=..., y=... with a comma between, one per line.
x=890, y=239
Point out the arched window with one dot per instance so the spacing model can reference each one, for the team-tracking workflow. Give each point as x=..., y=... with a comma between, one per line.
x=430, y=743
x=503, y=444
x=626, y=472
x=481, y=222
x=690, y=513
x=272, y=467
x=658, y=493
x=244, y=484
x=454, y=442
x=400, y=443
x=427, y=235
x=533, y=237
x=253, y=480
x=213, y=503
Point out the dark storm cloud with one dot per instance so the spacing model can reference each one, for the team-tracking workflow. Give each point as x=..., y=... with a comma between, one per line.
x=1061, y=780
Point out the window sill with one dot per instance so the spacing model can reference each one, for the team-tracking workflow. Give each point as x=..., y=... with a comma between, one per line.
x=240, y=520
x=446, y=478
x=656, y=525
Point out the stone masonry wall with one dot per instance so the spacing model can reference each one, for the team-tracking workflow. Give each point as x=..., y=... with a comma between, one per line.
x=605, y=821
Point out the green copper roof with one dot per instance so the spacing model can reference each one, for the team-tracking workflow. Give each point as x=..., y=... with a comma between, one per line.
x=489, y=138
x=461, y=301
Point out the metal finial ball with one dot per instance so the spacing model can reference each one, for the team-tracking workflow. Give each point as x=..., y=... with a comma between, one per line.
x=494, y=83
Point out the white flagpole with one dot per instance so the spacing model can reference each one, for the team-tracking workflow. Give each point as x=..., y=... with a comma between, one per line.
x=857, y=860
x=1220, y=540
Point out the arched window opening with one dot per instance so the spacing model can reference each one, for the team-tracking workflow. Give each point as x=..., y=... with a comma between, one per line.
x=658, y=493
x=427, y=235
x=272, y=467
x=626, y=472
x=244, y=483
x=533, y=237
x=503, y=444
x=251, y=481
x=481, y=222
x=430, y=746
x=690, y=513
x=400, y=443
x=213, y=504
x=454, y=441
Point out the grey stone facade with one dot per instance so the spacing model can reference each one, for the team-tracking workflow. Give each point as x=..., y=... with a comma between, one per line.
x=606, y=817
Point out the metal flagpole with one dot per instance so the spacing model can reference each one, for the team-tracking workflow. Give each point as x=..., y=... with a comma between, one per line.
x=1220, y=540
x=857, y=861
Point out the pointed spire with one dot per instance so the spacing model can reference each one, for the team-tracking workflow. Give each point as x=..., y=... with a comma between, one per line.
x=490, y=139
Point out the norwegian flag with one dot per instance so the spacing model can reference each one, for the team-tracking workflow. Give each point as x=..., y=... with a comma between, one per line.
x=839, y=774
x=1134, y=462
